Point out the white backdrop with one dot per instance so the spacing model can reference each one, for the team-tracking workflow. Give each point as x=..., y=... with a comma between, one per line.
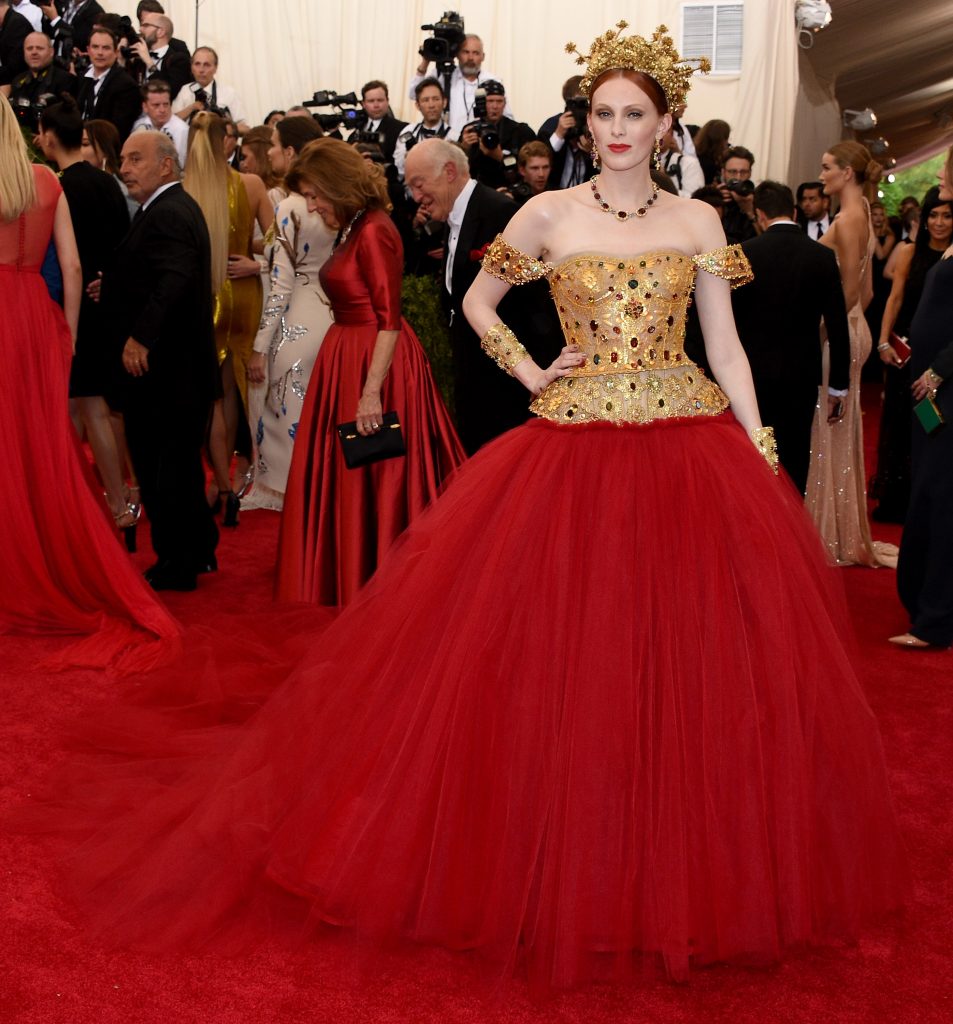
x=278, y=52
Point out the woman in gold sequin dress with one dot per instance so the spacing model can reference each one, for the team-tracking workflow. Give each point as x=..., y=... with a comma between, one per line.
x=231, y=203
x=593, y=712
x=836, y=494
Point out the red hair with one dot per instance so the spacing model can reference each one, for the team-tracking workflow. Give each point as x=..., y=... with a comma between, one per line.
x=645, y=82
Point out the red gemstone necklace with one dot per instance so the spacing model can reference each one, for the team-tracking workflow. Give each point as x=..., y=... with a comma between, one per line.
x=621, y=214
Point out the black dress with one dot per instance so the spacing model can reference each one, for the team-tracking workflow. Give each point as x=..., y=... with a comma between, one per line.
x=891, y=483
x=100, y=221
x=924, y=576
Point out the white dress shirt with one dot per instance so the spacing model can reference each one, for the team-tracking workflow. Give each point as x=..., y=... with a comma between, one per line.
x=462, y=96
x=224, y=96
x=455, y=222
x=414, y=132
x=685, y=171
x=824, y=224
x=175, y=128
x=31, y=12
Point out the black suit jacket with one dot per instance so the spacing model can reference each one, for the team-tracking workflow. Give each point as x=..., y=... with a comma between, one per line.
x=13, y=31
x=796, y=282
x=119, y=100
x=158, y=290
x=488, y=401
x=391, y=129
x=81, y=27
x=176, y=69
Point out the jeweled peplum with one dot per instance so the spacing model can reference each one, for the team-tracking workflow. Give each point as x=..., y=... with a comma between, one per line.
x=627, y=315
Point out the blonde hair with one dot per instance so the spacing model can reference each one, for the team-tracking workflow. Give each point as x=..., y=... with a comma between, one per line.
x=206, y=181
x=348, y=181
x=857, y=157
x=17, y=185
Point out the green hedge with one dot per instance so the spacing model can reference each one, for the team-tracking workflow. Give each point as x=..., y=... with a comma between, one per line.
x=420, y=298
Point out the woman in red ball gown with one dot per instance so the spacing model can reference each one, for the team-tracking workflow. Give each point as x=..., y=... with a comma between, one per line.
x=63, y=568
x=594, y=711
x=338, y=523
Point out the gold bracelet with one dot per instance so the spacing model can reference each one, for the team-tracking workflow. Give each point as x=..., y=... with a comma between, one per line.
x=764, y=441
x=503, y=347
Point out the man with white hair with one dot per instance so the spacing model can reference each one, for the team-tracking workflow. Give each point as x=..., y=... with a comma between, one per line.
x=488, y=402
x=158, y=296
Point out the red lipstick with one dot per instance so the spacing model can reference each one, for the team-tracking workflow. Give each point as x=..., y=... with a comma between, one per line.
x=619, y=147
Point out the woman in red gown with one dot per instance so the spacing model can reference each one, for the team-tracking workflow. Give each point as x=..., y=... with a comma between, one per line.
x=63, y=568
x=338, y=523
x=594, y=711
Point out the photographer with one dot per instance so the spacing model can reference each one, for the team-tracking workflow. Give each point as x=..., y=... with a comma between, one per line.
x=568, y=138
x=106, y=91
x=467, y=75
x=682, y=167
x=493, y=142
x=205, y=93
x=69, y=23
x=40, y=83
x=146, y=7
x=737, y=189
x=375, y=99
x=154, y=51
x=534, y=162
x=429, y=100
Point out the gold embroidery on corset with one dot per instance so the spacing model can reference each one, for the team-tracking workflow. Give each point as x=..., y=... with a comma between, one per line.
x=628, y=318
x=501, y=260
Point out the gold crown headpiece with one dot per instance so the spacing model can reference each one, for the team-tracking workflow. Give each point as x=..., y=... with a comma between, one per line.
x=655, y=57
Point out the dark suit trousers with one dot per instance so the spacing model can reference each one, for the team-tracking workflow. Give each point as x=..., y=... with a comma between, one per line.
x=165, y=442
x=789, y=406
x=924, y=576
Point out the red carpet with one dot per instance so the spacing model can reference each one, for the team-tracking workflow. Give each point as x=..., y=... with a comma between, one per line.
x=50, y=974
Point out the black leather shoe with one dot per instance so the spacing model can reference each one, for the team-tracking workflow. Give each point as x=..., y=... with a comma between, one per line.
x=210, y=565
x=168, y=578
x=159, y=566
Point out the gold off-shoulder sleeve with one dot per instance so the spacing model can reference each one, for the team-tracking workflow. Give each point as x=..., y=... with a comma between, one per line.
x=728, y=262
x=501, y=260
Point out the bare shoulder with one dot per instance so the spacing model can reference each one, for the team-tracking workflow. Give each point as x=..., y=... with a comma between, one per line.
x=254, y=186
x=530, y=229
x=701, y=222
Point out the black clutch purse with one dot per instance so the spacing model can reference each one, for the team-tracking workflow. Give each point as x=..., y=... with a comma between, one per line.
x=387, y=443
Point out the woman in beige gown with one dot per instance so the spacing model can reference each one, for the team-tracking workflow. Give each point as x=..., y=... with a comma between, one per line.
x=836, y=493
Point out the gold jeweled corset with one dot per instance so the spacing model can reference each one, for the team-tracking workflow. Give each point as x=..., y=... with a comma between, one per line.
x=628, y=318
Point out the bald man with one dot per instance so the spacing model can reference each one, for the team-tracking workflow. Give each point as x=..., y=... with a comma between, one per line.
x=41, y=83
x=158, y=297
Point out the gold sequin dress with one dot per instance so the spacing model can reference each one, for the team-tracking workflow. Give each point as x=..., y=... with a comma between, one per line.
x=238, y=302
x=591, y=715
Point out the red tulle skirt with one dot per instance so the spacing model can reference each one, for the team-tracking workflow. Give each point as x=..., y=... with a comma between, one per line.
x=64, y=570
x=593, y=711
x=338, y=523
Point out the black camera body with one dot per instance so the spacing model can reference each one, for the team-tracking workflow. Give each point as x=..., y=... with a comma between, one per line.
x=737, y=187
x=28, y=112
x=129, y=36
x=201, y=96
x=578, y=106
x=489, y=134
x=447, y=38
x=348, y=115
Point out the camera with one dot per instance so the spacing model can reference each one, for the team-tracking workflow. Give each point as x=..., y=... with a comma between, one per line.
x=348, y=115
x=27, y=112
x=488, y=133
x=448, y=35
x=129, y=36
x=578, y=106
x=201, y=96
x=738, y=187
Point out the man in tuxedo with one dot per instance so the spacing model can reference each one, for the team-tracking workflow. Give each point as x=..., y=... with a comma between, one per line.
x=146, y=7
x=487, y=402
x=375, y=99
x=778, y=315
x=14, y=29
x=156, y=58
x=106, y=90
x=158, y=297
x=814, y=209
x=69, y=24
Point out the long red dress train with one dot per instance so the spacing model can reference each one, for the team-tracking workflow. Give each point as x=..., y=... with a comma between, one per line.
x=592, y=712
x=338, y=522
x=64, y=570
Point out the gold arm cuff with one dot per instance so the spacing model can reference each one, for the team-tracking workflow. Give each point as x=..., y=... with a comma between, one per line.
x=502, y=346
x=764, y=441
